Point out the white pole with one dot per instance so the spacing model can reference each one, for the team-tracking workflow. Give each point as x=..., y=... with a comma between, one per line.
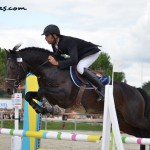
x=110, y=117
x=106, y=122
x=17, y=103
x=16, y=118
x=113, y=77
x=114, y=121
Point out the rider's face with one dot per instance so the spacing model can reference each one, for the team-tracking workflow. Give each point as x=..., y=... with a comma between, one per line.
x=50, y=39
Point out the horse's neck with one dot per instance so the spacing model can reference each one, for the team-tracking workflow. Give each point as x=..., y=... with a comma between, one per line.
x=31, y=62
x=36, y=65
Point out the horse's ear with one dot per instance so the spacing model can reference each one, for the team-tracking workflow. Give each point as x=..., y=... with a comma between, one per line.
x=8, y=52
x=16, y=47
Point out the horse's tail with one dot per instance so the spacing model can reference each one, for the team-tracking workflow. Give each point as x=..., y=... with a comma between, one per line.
x=147, y=102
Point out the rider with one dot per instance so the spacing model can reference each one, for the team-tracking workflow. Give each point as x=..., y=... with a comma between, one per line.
x=81, y=53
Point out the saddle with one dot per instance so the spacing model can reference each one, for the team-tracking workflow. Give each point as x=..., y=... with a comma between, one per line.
x=83, y=84
x=79, y=80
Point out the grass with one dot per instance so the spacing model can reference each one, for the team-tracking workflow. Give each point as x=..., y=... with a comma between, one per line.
x=71, y=126
x=58, y=126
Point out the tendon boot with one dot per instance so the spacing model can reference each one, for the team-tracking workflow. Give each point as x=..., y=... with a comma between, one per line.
x=48, y=108
x=91, y=77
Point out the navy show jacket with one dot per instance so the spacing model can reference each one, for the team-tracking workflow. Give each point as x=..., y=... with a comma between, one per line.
x=76, y=48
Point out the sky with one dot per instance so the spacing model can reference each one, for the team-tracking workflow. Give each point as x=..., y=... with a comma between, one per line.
x=121, y=27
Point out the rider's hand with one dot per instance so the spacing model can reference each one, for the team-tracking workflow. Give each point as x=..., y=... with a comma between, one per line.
x=52, y=60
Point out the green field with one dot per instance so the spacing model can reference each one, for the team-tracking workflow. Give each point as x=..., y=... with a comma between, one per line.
x=58, y=126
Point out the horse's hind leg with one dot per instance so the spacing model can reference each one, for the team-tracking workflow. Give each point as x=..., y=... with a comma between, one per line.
x=125, y=127
x=142, y=147
x=131, y=105
x=136, y=119
x=131, y=131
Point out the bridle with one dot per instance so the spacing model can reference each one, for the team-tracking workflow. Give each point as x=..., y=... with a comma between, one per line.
x=16, y=81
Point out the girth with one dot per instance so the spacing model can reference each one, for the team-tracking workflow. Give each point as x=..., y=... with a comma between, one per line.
x=77, y=105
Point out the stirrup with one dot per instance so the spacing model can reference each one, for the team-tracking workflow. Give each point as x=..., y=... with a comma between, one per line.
x=101, y=96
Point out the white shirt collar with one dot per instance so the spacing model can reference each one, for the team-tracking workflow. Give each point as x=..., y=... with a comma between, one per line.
x=56, y=45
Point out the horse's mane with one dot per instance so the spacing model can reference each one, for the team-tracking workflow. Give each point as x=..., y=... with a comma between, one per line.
x=36, y=49
x=36, y=52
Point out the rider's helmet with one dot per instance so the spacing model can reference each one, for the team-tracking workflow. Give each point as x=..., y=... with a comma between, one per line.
x=51, y=29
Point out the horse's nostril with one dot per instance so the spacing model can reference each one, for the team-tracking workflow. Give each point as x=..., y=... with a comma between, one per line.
x=9, y=91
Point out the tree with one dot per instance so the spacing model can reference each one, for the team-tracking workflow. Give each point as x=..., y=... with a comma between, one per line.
x=146, y=87
x=2, y=67
x=2, y=73
x=103, y=63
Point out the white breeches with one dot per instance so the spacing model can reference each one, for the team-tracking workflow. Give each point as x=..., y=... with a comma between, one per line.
x=86, y=62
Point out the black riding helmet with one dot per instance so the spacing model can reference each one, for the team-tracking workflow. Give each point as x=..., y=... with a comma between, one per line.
x=51, y=29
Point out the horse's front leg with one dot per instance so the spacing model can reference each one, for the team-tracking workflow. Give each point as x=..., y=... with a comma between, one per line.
x=48, y=108
x=45, y=106
x=29, y=98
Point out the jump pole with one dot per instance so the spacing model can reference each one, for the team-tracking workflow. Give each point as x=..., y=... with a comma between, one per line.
x=69, y=136
x=32, y=120
x=52, y=135
x=110, y=118
x=17, y=104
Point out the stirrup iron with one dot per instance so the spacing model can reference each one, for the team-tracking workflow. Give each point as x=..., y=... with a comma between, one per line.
x=101, y=96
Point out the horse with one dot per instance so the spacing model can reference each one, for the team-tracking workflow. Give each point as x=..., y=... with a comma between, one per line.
x=132, y=104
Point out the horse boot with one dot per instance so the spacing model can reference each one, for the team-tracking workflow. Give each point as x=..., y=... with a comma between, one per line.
x=47, y=107
x=52, y=109
x=91, y=77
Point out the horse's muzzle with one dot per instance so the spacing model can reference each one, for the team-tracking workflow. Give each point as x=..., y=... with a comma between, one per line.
x=9, y=91
x=11, y=86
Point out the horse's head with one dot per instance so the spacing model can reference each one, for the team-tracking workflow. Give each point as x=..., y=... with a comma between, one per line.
x=15, y=70
x=21, y=62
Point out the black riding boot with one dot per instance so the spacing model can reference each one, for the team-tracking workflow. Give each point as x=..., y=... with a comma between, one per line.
x=94, y=80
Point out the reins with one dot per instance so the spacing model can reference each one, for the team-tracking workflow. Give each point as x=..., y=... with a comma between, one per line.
x=43, y=63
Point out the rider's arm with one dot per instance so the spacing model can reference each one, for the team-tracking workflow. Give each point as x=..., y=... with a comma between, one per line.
x=72, y=60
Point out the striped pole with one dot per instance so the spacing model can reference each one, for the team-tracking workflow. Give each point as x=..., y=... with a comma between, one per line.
x=69, y=136
x=133, y=140
x=52, y=135
x=32, y=120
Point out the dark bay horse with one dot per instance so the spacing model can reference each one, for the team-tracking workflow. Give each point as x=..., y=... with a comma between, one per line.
x=132, y=105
